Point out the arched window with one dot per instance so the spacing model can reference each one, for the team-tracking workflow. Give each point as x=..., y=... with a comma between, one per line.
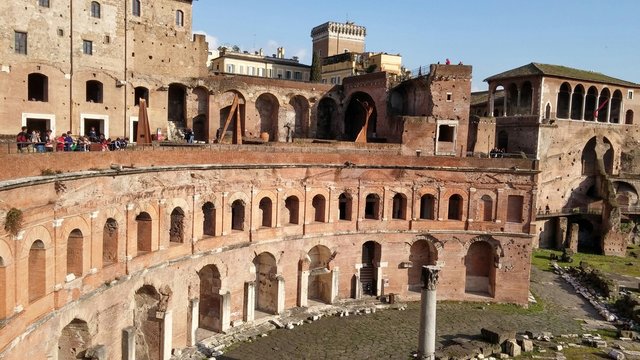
x=95, y=9
x=237, y=215
x=564, y=96
x=344, y=206
x=590, y=103
x=319, y=204
x=577, y=102
x=110, y=242
x=144, y=231
x=209, y=222
x=512, y=100
x=372, y=207
x=526, y=98
x=399, y=207
x=292, y=204
x=176, y=230
x=75, y=245
x=486, y=204
x=427, y=207
x=37, y=271
x=94, y=91
x=37, y=87
x=616, y=107
x=628, y=119
x=265, y=210
x=455, y=207
x=602, y=111
x=179, y=18
x=141, y=92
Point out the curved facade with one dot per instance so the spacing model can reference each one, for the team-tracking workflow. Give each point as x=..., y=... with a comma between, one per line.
x=183, y=240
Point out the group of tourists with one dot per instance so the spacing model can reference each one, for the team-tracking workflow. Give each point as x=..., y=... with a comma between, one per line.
x=35, y=141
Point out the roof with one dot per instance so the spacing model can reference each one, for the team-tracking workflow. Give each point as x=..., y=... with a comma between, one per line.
x=482, y=97
x=263, y=59
x=537, y=69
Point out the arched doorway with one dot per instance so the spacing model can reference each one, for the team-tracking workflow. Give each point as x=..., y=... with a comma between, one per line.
x=210, y=301
x=480, y=269
x=176, y=106
x=422, y=253
x=147, y=325
x=589, y=157
x=268, y=107
x=227, y=100
x=320, y=277
x=266, y=283
x=370, y=274
x=74, y=341
x=301, y=107
x=629, y=117
x=201, y=120
x=355, y=116
x=326, y=115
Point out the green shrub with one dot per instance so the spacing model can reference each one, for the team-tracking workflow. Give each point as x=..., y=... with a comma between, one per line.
x=13, y=221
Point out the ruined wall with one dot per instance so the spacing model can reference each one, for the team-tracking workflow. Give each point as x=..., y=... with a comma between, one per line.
x=103, y=292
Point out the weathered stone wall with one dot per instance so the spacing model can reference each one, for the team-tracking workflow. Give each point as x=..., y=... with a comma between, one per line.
x=104, y=292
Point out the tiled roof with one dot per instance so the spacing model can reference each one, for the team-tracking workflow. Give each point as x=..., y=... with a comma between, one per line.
x=482, y=97
x=536, y=69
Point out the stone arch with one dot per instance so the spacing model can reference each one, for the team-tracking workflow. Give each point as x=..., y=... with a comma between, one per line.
x=498, y=96
x=144, y=232
x=371, y=257
x=564, y=98
x=177, y=228
x=292, y=206
x=626, y=194
x=427, y=207
x=210, y=310
x=577, y=102
x=266, y=212
x=480, y=270
x=421, y=253
x=37, y=271
x=320, y=277
x=301, y=107
x=226, y=100
x=590, y=159
x=177, y=103
x=372, y=207
x=319, y=205
x=147, y=323
x=209, y=219
x=37, y=87
x=345, y=206
x=75, y=253
x=616, y=107
x=455, y=207
x=355, y=115
x=268, y=108
x=327, y=114
x=603, y=105
x=591, y=103
x=399, y=206
x=110, y=242
x=74, y=341
x=266, y=289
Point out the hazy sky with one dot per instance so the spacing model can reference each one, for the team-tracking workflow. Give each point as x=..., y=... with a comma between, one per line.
x=491, y=35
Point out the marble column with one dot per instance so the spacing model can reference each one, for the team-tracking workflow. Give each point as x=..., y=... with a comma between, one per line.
x=427, y=339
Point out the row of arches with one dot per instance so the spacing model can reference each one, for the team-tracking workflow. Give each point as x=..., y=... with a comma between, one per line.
x=264, y=294
x=591, y=104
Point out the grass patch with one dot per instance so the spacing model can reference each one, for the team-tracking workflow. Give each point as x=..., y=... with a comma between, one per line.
x=628, y=265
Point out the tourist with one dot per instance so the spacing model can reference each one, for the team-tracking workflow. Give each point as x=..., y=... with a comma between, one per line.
x=93, y=136
x=189, y=136
x=47, y=139
x=35, y=142
x=68, y=141
x=22, y=139
x=60, y=142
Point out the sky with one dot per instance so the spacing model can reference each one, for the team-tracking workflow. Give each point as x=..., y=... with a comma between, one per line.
x=491, y=35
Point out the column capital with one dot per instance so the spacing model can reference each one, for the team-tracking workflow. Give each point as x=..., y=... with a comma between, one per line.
x=430, y=274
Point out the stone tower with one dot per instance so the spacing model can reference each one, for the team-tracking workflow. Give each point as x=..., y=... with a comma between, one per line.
x=332, y=38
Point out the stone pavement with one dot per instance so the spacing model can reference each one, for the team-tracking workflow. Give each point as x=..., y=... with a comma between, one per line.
x=393, y=334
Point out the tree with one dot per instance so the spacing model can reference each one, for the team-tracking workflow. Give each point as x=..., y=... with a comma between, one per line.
x=316, y=68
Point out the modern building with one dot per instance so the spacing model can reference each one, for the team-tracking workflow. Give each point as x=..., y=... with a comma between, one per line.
x=334, y=38
x=275, y=66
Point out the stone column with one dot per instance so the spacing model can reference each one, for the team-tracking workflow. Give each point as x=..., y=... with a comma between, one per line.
x=194, y=321
x=303, y=289
x=167, y=334
x=281, y=294
x=335, y=276
x=572, y=239
x=225, y=320
x=129, y=343
x=427, y=339
x=249, y=301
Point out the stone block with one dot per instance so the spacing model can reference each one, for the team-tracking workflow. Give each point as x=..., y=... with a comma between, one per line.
x=616, y=354
x=512, y=348
x=526, y=345
x=497, y=336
